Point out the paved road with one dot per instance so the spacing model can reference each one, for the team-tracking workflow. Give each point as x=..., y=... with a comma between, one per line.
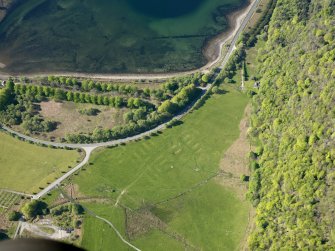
x=88, y=151
x=90, y=147
x=238, y=31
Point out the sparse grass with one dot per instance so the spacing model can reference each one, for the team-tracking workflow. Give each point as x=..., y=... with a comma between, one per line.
x=144, y=173
x=72, y=121
x=26, y=167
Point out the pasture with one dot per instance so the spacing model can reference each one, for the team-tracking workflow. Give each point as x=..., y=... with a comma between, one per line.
x=167, y=181
x=26, y=167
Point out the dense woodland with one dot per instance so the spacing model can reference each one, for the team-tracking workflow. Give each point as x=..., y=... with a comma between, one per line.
x=292, y=185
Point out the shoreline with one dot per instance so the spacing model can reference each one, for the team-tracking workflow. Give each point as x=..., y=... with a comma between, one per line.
x=212, y=51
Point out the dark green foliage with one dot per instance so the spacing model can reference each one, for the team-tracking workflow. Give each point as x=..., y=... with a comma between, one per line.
x=3, y=236
x=33, y=208
x=77, y=209
x=14, y=216
x=250, y=38
x=292, y=184
x=37, y=124
x=66, y=216
x=6, y=95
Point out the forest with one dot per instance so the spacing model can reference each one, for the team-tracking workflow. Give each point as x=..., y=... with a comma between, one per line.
x=293, y=166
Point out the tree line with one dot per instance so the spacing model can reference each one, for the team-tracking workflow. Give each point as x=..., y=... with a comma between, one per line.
x=35, y=92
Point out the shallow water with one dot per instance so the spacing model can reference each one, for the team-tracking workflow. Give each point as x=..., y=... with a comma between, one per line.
x=110, y=36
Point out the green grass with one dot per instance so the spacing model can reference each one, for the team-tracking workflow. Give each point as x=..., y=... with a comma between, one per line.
x=100, y=236
x=25, y=167
x=210, y=217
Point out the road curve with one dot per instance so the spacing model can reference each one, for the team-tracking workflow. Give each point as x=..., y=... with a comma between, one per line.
x=88, y=151
x=103, y=144
x=88, y=148
x=251, y=10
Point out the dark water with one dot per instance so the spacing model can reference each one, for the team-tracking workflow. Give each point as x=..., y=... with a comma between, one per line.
x=110, y=36
x=165, y=9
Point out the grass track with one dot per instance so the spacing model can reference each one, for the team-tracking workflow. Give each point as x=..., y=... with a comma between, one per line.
x=144, y=173
x=24, y=167
x=97, y=234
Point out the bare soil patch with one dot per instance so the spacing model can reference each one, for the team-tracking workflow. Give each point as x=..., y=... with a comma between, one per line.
x=235, y=161
x=71, y=121
x=141, y=222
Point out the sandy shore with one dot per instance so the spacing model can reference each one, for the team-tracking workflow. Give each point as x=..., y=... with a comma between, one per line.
x=213, y=51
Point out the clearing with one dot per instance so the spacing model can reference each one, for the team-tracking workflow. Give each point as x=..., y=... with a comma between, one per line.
x=71, y=121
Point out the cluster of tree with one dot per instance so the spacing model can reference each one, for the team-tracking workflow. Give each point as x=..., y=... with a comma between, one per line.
x=14, y=216
x=23, y=111
x=140, y=120
x=36, y=124
x=34, y=208
x=130, y=129
x=6, y=95
x=293, y=176
x=170, y=88
x=38, y=93
x=179, y=101
x=249, y=38
x=135, y=115
x=235, y=62
x=67, y=216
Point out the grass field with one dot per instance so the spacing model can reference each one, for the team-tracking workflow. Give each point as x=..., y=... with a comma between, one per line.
x=26, y=167
x=97, y=234
x=149, y=174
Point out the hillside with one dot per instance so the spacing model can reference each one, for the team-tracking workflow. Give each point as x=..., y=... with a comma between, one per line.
x=292, y=185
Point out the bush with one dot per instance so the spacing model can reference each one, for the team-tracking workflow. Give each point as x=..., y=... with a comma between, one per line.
x=89, y=111
x=14, y=216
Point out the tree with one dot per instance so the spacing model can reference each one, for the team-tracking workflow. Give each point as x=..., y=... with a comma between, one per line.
x=14, y=216
x=59, y=94
x=77, y=209
x=33, y=208
x=168, y=106
x=205, y=78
